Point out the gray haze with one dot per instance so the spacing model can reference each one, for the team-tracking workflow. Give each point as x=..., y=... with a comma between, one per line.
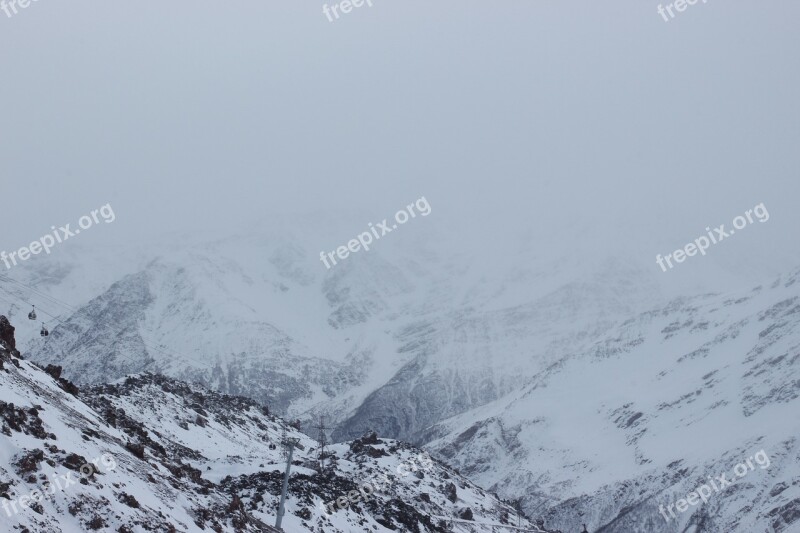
x=586, y=126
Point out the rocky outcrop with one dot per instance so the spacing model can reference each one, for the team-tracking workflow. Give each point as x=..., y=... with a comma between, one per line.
x=7, y=334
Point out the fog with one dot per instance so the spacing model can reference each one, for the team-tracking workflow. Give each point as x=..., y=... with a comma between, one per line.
x=585, y=125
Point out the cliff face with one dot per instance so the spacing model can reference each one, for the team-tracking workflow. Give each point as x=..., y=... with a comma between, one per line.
x=7, y=335
x=8, y=343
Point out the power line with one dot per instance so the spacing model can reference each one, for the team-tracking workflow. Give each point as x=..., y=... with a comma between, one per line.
x=55, y=318
x=39, y=293
x=75, y=311
x=20, y=299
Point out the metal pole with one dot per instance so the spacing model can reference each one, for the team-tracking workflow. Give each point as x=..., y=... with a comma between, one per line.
x=281, y=509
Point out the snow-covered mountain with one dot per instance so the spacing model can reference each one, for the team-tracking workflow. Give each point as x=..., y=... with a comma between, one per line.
x=154, y=454
x=579, y=386
x=644, y=416
x=252, y=316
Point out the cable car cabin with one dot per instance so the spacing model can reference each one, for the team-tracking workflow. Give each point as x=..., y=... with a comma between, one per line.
x=32, y=314
x=44, y=332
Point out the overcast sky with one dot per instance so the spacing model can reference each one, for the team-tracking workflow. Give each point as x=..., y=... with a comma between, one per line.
x=504, y=115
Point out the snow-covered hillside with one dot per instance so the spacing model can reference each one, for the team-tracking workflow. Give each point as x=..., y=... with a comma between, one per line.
x=647, y=413
x=170, y=457
x=579, y=387
x=252, y=316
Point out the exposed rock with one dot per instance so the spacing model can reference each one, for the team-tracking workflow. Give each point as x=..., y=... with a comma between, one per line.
x=7, y=335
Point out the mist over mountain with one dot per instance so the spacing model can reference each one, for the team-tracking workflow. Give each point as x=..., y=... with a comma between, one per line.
x=503, y=376
x=499, y=266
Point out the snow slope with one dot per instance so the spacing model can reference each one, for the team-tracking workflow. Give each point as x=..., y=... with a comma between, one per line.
x=173, y=457
x=482, y=363
x=651, y=409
